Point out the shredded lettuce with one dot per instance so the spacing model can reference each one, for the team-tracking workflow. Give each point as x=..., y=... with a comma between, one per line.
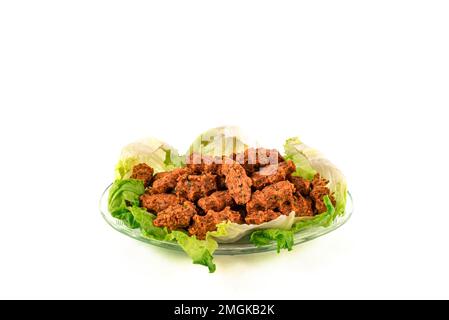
x=123, y=195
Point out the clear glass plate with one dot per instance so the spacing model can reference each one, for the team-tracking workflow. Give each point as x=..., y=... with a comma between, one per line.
x=243, y=246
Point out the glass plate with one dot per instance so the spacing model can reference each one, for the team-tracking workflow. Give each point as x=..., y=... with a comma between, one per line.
x=243, y=246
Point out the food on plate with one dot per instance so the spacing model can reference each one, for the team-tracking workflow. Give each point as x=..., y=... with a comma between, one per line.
x=159, y=202
x=237, y=181
x=201, y=225
x=217, y=201
x=219, y=194
x=142, y=172
x=168, y=180
x=273, y=173
x=176, y=217
x=194, y=187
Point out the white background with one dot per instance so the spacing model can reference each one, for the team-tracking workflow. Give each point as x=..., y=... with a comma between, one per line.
x=366, y=82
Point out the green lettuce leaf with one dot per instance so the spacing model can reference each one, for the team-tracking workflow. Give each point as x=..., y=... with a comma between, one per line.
x=145, y=220
x=285, y=238
x=229, y=232
x=303, y=167
x=200, y=251
x=324, y=219
x=156, y=154
x=127, y=218
x=310, y=161
x=123, y=195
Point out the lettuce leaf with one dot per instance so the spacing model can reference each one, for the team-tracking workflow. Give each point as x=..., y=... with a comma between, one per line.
x=156, y=154
x=229, y=232
x=127, y=218
x=218, y=142
x=145, y=221
x=285, y=238
x=324, y=219
x=310, y=161
x=304, y=168
x=200, y=251
x=123, y=195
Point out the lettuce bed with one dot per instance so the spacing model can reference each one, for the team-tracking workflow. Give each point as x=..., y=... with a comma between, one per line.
x=123, y=200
